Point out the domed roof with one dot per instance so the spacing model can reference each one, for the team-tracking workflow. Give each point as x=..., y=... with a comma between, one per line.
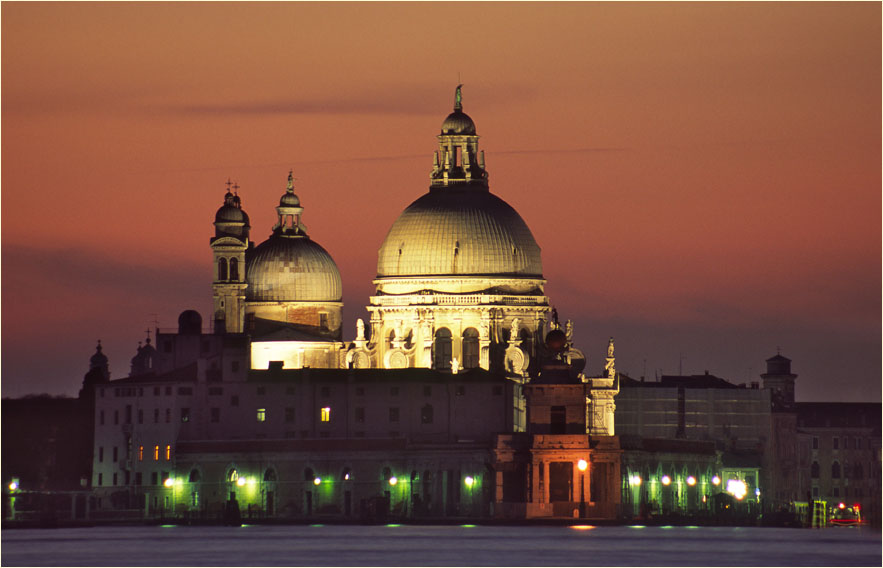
x=289, y=200
x=291, y=269
x=99, y=359
x=459, y=232
x=458, y=122
x=231, y=214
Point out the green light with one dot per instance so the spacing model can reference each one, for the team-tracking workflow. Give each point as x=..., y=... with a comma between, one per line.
x=469, y=481
x=468, y=526
x=167, y=526
x=317, y=525
x=393, y=525
x=638, y=526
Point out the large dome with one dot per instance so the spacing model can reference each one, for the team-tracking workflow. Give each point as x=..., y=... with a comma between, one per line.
x=292, y=269
x=453, y=231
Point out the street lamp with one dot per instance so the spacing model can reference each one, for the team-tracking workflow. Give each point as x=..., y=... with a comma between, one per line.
x=582, y=465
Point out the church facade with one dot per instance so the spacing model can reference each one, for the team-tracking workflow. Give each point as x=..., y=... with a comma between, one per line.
x=461, y=395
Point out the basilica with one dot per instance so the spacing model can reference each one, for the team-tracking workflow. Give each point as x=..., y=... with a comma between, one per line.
x=460, y=393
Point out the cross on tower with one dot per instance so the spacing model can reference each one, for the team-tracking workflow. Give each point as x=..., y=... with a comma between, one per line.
x=148, y=335
x=228, y=184
x=236, y=187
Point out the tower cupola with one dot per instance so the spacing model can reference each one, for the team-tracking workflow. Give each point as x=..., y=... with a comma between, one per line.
x=289, y=212
x=457, y=160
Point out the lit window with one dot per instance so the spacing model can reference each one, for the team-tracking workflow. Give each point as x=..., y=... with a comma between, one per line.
x=262, y=414
x=168, y=452
x=155, y=453
x=140, y=453
x=326, y=414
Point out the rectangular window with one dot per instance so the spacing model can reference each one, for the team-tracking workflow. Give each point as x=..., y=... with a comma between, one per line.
x=394, y=391
x=153, y=478
x=234, y=400
x=262, y=414
x=815, y=442
x=289, y=414
x=116, y=454
x=100, y=478
x=168, y=415
x=140, y=453
x=185, y=415
x=115, y=478
x=155, y=453
x=214, y=391
x=140, y=416
x=460, y=390
x=360, y=414
x=100, y=454
x=325, y=391
x=836, y=492
x=845, y=443
x=156, y=415
x=128, y=414
x=155, y=391
x=101, y=418
x=326, y=414
x=216, y=415
x=836, y=443
x=427, y=391
x=168, y=391
x=138, y=478
x=116, y=417
x=394, y=414
x=185, y=390
x=262, y=390
x=168, y=452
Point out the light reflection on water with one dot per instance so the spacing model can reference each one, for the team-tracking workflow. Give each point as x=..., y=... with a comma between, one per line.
x=420, y=545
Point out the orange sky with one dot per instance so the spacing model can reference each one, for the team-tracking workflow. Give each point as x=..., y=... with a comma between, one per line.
x=704, y=179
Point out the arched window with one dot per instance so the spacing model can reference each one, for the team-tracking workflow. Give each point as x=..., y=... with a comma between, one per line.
x=814, y=470
x=222, y=269
x=835, y=470
x=234, y=270
x=232, y=475
x=442, y=349
x=470, y=348
x=194, y=476
x=426, y=414
x=270, y=474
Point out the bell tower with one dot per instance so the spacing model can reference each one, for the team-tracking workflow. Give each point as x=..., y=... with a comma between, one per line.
x=229, y=246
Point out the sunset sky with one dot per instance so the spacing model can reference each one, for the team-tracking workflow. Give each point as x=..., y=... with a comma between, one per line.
x=704, y=180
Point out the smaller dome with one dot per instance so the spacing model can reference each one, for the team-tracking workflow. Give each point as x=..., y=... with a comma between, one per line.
x=289, y=200
x=99, y=359
x=458, y=122
x=189, y=323
x=231, y=214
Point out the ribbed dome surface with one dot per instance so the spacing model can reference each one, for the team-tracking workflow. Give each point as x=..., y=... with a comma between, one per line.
x=291, y=269
x=458, y=122
x=231, y=214
x=459, y=232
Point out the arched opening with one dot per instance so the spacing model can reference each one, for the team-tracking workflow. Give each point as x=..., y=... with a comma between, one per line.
x=232, y=475
x=270, y=474
x=234, y=270
x=222, y=269
x=442, y=353
x=470, y=348
x=835, y=470
x=814, y=470
x=194, y=476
